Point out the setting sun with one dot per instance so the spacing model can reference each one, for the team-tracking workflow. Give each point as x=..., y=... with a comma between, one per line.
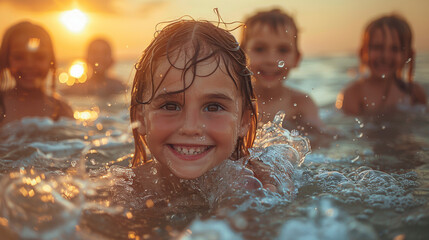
x=74, y=20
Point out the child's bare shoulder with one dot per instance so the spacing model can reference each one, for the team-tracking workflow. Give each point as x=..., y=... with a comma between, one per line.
x=297, y=97
x=355, y=87
x=64, y=108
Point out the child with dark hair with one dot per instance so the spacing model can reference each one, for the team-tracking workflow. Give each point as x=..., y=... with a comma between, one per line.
x=386, y=52
x=270, y=38
x=100, y=82
x=26, y=59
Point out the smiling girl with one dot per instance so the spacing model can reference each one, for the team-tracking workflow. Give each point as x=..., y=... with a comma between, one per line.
x=26, y=59
x=193, y=100
x=386, y=52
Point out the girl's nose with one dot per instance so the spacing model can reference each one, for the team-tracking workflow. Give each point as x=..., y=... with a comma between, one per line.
x=29, y=61
x=192, y=124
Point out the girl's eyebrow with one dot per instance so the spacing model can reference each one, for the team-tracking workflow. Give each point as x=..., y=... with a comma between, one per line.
x=167, y=95
x=220, y=96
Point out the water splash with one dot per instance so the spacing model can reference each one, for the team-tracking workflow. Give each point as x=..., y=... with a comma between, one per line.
x=273, y=133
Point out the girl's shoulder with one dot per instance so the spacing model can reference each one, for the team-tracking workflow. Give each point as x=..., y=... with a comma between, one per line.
x=62, y=107
x=297, y=96
x=418, y=94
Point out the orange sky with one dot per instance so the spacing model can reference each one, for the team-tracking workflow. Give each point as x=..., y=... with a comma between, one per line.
x=326, y=26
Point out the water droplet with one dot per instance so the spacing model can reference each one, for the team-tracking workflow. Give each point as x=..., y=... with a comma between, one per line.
x=383, y=76
x=408, y=60
x=373, y=104
x=295, y=104
x=263, y=103
x=92, y=161
x=294, y=133
x=361, y=125
x=258, y=72
x=73, y=163
x=284, y=77
x=359, y=135
x=281, y=63
x=383, y=127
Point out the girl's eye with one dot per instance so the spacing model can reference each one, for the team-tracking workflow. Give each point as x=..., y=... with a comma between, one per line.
x=18, y=57
x=376, y=47
x=284, y=50
x=259, y=49
x=395, y=49
x=214, y=107
x=41, y=57
x=171, y=107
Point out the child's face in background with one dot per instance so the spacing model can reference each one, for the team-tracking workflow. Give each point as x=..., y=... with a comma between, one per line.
x=194, y=136
x=272, y=54
x=99, y=58
x=385, y=56
x=29, y=61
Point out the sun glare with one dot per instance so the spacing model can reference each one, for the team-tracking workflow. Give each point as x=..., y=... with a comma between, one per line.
x=74, y=20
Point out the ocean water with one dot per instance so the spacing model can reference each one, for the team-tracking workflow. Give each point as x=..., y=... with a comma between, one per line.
x=71, y=179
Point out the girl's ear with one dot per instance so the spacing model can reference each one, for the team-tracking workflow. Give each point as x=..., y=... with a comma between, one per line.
x=298, y=58
x=363, y=56
x=141, y=129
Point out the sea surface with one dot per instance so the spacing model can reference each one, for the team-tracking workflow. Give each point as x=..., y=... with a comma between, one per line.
x=71, y=179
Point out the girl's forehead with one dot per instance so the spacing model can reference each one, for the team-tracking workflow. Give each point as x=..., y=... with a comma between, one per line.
x=29, y=43
x=261, y=28
x=384, y=32
x=177, y=73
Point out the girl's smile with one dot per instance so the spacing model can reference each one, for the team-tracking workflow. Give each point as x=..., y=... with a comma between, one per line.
x=190, y=152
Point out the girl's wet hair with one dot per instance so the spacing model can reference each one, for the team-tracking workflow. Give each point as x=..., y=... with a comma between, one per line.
x=201, y=41
x=28, y=30
x=275, y=18
x=399, y=25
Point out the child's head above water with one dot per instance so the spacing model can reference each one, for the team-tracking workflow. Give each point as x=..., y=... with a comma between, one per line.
x=27, y=55
x=270, y=38
x=387, y=47
x=193, y=98
x=99, y=56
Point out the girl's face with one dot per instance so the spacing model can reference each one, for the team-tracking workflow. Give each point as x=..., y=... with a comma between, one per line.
x=29, y=61
x=193, y=131
x=272, y=54
x=385, y=56
x=99, y=58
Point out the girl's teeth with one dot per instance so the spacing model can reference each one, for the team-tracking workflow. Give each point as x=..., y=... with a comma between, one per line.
x=190, y=151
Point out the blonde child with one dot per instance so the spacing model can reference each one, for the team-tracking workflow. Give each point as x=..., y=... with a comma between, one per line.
x=193, y=102
x=100, y=60
x=26, y=58
x=270, y=38
x=386, y=52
